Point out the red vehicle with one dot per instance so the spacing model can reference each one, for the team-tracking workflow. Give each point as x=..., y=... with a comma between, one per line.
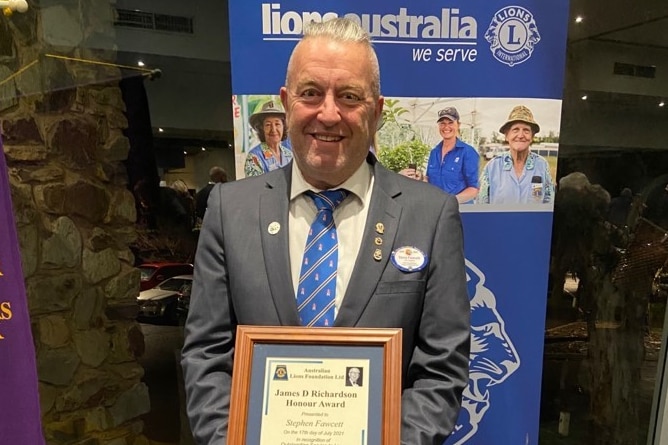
x=153, y=274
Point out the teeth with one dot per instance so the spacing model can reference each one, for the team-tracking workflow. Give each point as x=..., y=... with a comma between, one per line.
x=325, y=138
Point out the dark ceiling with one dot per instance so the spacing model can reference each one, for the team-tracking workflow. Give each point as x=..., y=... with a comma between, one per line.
x=639, y=22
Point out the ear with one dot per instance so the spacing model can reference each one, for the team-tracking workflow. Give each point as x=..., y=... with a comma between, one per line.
x=379, y=109
x=284, y=99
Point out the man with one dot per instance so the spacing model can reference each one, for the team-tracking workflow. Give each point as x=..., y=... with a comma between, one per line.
x=354, y=377
x=250, y=254
x=453, y=164
x=216, y=175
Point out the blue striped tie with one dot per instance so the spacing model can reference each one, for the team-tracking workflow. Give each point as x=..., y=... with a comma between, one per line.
x=317, y=281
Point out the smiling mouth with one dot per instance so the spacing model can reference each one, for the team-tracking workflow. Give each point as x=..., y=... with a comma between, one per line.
x=327, y=138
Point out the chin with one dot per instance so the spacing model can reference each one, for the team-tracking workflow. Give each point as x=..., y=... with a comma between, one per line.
x=325, y=158
x=325, y=166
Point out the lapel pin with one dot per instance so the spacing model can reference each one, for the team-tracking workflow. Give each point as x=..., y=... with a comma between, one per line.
x=274, y=228
x=378, y=241
x=377, y=255
x=380, y=228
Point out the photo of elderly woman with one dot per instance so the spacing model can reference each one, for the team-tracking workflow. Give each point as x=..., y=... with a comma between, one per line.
x=272, y=152
x=517, y=176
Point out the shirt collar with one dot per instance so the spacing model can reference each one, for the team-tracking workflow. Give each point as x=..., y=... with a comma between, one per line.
x=267, y=152
x=508, y=161
x=358, y=184
x=458, y=142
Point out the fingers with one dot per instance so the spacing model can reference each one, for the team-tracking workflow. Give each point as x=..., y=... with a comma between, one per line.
x=413, y=174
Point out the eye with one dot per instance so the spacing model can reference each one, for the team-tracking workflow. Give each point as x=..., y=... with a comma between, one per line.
x=350, y=98
x=310, y=93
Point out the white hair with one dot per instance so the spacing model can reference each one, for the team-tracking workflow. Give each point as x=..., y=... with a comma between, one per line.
x=342, y=29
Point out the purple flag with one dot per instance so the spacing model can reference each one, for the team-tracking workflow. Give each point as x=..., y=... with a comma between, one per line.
x=20, y=420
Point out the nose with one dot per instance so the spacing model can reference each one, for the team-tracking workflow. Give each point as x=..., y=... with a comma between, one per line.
x=329, y=111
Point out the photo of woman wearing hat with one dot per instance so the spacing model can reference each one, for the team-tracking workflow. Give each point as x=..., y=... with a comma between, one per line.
x=453, y=164
x=271, y=153
x=517, y=176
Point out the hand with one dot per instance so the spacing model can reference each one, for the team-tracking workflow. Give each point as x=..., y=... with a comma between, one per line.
x=411, y=173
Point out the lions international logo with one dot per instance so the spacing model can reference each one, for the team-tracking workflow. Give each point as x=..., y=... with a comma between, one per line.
x=281, y=372
x=512, y=35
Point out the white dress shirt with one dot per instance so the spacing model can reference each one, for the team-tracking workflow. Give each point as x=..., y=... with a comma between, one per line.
x=349, y=216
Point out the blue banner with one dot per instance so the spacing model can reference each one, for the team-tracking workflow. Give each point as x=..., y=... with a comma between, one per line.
x=507, y=263
x=469, y=48
x=493, y=61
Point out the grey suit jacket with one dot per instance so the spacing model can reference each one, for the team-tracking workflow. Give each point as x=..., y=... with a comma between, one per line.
x=242, y=276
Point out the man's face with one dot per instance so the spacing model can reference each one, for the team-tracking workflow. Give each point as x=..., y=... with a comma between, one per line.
x=273, y=130
x=448, y=129
x=330, y=109
x=519, y=137
x=354, y=374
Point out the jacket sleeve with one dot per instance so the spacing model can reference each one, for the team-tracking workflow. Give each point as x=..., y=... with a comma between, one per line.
x=209, y=334
x=438, y=370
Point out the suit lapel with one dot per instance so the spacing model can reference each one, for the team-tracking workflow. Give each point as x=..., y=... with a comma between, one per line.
x=274, y=204
x=382, y=222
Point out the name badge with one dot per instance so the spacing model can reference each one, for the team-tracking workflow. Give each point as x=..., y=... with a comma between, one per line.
x=409, y=259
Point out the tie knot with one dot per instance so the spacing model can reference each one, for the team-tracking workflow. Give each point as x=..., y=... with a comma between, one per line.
x=328, y=199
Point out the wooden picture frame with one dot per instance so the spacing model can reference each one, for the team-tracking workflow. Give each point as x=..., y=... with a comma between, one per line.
x=266, y=403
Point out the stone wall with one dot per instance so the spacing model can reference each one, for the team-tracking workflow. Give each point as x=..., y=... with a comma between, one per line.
x=62, y=122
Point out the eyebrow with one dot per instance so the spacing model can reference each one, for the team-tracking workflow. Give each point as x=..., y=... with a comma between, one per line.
x=305, y=83
x=354, y=87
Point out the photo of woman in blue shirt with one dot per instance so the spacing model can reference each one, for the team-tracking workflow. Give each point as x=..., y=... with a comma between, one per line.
x=453, y=164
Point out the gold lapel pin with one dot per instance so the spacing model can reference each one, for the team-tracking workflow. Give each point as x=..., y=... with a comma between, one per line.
x=378, y=241
x=380, y=228
x=377, y=255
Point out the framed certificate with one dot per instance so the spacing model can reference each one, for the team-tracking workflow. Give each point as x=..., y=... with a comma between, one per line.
x=297, y=385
